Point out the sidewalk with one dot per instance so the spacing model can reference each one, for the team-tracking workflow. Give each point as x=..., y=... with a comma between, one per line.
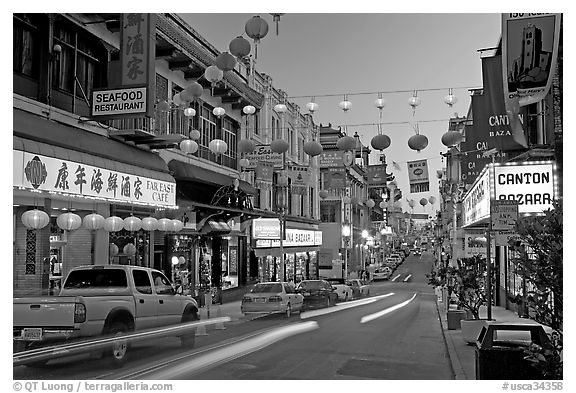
x=462, y=355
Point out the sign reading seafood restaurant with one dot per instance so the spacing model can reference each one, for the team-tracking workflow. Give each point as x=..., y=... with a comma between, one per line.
x=38, y=172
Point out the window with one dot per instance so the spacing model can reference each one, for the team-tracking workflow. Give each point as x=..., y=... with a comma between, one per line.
x=142, y=281
x=26, y=44
x=328, y=211
x=162, y=284
x=96, y=278
x=229, y=136
x=256, y=118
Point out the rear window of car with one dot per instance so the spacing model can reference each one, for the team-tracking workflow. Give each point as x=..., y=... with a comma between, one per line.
x=310, y=285
x=92, y=278
x=267, y=288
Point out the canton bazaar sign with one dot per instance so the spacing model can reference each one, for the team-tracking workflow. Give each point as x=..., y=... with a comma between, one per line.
x=293, y=238
x=38, y=172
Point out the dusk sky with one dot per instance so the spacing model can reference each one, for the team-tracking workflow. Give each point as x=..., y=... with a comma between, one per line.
x=323, y=54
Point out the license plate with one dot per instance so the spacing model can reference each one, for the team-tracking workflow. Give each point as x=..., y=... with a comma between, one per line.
x=32, y=334
x=259, y=300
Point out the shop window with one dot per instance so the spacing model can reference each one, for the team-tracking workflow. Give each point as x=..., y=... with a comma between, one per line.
x=26, y=44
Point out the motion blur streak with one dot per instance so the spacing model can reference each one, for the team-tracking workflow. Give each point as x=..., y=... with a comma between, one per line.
x=229, y=353
x=407, y=277
x=343, y=306
x=90, y=345
x=371, y=317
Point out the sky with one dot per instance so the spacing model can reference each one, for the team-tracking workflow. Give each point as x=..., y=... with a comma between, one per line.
x=328, y=55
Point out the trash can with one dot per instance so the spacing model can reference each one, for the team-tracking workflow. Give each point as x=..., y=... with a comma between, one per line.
x=500, y=355
x=454, y=317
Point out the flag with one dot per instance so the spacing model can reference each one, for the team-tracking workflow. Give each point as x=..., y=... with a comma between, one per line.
x=396, y=166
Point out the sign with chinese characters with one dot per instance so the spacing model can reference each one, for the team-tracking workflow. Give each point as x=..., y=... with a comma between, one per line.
x=418, y=176
x=264, y=153
x=300, y=178
x=119, y=101
x=38, y=172
x=476, y=203
x=332, y=158
x=531, y=185
x=233, y=260
x=504, y=214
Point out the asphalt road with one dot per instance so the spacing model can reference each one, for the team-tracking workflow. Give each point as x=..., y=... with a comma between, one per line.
x=393, y=335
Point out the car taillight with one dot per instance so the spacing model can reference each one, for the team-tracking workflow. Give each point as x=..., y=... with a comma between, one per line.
x=246, y=299
x=79, y=313
x=275, y=299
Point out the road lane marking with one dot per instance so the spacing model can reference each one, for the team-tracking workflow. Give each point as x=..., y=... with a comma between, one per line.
x=343, y=306
x=232, y=352
x=368, y=318
x=407, y=277
x=395, y=278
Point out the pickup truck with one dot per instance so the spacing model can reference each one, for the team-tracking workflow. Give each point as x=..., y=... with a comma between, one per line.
x=100, y=300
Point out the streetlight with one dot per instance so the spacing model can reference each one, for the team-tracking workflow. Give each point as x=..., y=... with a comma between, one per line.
x=281, y=205
x=346, y=232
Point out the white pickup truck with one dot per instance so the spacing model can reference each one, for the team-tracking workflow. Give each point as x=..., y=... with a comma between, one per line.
x=102, y=300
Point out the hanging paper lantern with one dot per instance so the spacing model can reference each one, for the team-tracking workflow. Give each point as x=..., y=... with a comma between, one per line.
x=451, y=138
x=189, y=112
x=370, y=203
x=194, y=134
x=177, y=99
x=113, y=249
x=346, y=143
x=35, y=219
x=411, y=203
x=380, y=142
x=312, y=107
x=149, y=223
x=218, y=146
x=244, y=163
x=380, y=103
x=346, y=199
x=213, y=74
x=240, y=47
x=323, y=194
x=132, y=224
x=219, y=111
x=164, y=224
x=345, y=105
x=256, y=28
x=93, y=221
x=249, y=110
x=177, y=225
x=189, y=146
x=414, y=101
x=276, y=18
x=69, y=221
x=225, y=61
x=450, y=99
x=246, y=146
x=279, y=146
x=417, y=142
x=192, y=92
x=280, y=108
x=382, y=205
x=313, y=148
x=129, y=249
x=113, y=224
x=163, y=106
x=423, y=202
x=432, y=199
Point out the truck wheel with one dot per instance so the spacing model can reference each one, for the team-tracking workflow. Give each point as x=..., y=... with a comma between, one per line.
x=188, y=340
x=119, y=350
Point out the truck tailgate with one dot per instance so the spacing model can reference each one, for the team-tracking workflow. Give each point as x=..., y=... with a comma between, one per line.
x=44, y=312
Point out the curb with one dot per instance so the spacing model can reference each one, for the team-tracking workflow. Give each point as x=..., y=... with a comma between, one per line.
x=457, y=368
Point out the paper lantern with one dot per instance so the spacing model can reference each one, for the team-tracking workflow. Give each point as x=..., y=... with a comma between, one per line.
x=312, y=107
x=113, y=249
x=189, y=112
x=256, y=28
x=177, y=225
x=225, y=61
x=149, y=223
x=411, y=203
x=192, y=92
x=423, y=201
x=189, y=146
x=240, y=47
x=218, y=146
x=346, y=143
x=279, y=146
x=213, y=74
x=418, y=142
x=69, y=221
x=249, y=110
x=280, y=108
x=370, y=203
x=414, y=101
x=380, y=142
x=450, y=99
x=132, y=224
x=246, y=146
x=219, y=111
x=382, y=205
x=313, y=148
x=163, y=106
x=451, y=138
x=380, y=103
x=345, y=105
x=194, y=135
x=35, y=219
x=129, y=249
x=93, y=222
x=177, y=99
x=244, y=163
x=113, y=224
x=323, y=194
x=432, y=199
x=164, y=224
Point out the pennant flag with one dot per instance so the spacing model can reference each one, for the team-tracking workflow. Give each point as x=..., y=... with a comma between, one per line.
x=396, y=166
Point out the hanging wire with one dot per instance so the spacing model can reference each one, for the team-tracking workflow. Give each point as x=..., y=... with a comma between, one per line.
x=383, y=92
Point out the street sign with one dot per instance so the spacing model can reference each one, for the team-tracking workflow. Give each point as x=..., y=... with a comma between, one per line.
x=503, y=214
x=503, y=237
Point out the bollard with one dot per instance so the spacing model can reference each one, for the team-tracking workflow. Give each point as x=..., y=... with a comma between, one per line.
x=219, y=325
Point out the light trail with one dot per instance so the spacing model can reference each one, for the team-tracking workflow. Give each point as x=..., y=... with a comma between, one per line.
x=343, y=306
x=396, y=278
x=407, y=278
x=379, y=314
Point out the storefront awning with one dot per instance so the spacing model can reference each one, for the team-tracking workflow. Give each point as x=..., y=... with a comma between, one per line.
x=216, y=227
x=187, y=172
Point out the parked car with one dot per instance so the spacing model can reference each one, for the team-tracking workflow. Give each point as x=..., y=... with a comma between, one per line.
x=272, y=297
x=360, y=288
x=100, y=300
x=343, y=290
x=382, y=273
x=317, y=293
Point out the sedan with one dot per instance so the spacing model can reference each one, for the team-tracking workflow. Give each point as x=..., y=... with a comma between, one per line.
x=382, y=273
x=272, y=297
x=341, y=288
x=317, y=293
x=360, y=288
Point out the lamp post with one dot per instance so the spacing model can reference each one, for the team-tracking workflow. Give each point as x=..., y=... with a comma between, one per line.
x=281, y=205
x=346, y=233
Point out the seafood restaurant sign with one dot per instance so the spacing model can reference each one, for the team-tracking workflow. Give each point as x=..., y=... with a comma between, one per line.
x=38, y=172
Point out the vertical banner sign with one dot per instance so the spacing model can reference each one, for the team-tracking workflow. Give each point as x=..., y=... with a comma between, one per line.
x=233, y=260
x=376, y=175
x=418, y=176
x=138, y=52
